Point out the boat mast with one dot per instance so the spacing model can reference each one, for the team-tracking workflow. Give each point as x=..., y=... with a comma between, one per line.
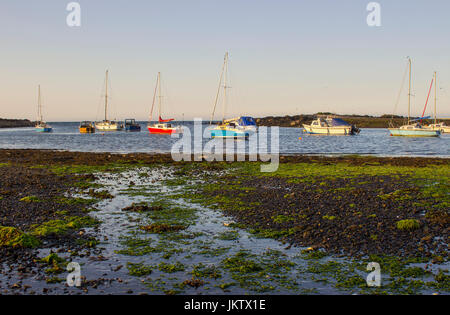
x=106, y=94
x=435, y=95
x=409, y=92
x=218, y=89
x=154, y=97
x=39, y=105
x=159, y=92
x=225, y=87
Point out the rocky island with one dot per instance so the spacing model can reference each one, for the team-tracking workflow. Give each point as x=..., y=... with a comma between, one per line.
x=15, y=123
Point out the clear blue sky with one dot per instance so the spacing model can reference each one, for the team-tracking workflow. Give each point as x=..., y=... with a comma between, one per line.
x=287, y=56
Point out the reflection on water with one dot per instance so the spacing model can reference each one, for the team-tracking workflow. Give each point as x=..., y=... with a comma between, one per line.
x=370, y=141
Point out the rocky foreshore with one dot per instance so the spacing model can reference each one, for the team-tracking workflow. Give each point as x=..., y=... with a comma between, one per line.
x=359, y=121
x=337, y=214
x=15, y=123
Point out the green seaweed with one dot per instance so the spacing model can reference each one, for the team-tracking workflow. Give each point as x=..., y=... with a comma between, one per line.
x=55, y=227
x=56, y=264
x=30, y=199
x=408, y=225
x=171, y=268
x=139, y=269
x=12, y=237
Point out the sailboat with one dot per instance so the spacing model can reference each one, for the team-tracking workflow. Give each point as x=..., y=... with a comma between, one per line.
x=412, y=128
x=239, y=127
x=163, y=126
x=437, y=126
x=108, y=125
x=41, y=125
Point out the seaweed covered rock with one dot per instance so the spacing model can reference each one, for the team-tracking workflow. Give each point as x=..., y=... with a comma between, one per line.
x=408, y=225
x=57, y=227
x=55, y=263
x=12, y=237
x=142, y=207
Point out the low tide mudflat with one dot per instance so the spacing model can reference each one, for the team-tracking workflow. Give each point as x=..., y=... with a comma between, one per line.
x=142, y=224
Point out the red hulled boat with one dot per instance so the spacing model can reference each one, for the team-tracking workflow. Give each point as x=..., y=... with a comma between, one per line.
x=163, y=126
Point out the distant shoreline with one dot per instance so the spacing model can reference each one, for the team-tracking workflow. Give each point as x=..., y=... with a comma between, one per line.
x=296, y=121
x=358, y=120
x=15, y=123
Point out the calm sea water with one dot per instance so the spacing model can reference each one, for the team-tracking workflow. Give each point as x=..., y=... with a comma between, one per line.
x=65, y=136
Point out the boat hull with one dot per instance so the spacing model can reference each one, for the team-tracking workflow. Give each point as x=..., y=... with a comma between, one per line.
x=166, y=131
x=230, y=133
x=133, y=128
x=108, y=127
x=87, y=130
x=396, y=132
x=44, y=129
x=332, y=131
x=445, y=129
x=442, y=129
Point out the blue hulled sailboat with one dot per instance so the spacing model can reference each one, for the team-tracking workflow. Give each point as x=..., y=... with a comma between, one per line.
x=41, y=125
x=240, y=127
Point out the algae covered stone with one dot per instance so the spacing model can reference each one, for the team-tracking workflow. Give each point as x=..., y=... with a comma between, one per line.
x=56, y=264
x=12, y=237
x=30, y=199
x=55, y=227
x=408, y=225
